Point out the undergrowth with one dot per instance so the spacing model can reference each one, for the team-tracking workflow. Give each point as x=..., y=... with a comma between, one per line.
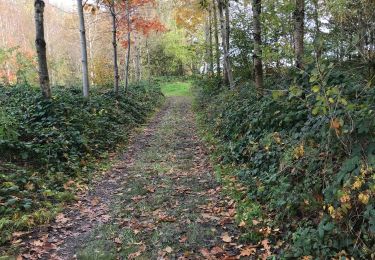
x=303, y=155
x=49, y=148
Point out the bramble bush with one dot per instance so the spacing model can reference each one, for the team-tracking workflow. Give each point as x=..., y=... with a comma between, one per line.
x=45, y=145
x=306, y=154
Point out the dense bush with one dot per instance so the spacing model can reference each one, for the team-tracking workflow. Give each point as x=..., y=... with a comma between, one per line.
x=306, y=154
x=44, y=144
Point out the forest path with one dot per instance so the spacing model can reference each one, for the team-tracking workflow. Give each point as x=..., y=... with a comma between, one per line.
x=160, y=201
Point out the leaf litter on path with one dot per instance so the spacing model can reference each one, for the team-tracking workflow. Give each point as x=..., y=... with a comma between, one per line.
x=160, y=201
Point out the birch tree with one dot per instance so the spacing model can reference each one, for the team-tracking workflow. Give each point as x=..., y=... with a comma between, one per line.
x=85, y=72
x=228, y=76
x=41, y=49
x=129, y=45
x=258, y=66
x=112, y=10
x=216, y=32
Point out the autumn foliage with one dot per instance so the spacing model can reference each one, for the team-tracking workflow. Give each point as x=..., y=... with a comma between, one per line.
x=143, y=19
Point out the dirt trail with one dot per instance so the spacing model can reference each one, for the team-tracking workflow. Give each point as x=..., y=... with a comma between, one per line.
x=161, y=201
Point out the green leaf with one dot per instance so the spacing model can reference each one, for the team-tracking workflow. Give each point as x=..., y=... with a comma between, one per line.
x=315, y=88
x=315, y=111
x=343, y=101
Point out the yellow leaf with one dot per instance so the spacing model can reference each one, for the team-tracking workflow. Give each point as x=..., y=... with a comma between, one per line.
x=363, y=198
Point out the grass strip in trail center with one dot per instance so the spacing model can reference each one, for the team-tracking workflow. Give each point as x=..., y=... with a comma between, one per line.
x=176, y=89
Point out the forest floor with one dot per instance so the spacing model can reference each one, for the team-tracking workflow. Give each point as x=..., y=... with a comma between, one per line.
x=160, y=200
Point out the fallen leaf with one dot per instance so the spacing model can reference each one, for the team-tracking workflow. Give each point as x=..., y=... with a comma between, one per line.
x=232, y=212
x=68, y=184
x=183, y=239
x=150, y=189
x=206, y=253
x=95, y=201
x=217, y=251
x=226, y=221
x=19, y=234
x=165, y=218
x=265, y=244
x=37, y=243
x=168, y=249
x=138, y=198
x=118, y=241
x=255, y=222
x=242, y=224
x=248, y=251
x=16, y=241
x=208, y=216
x=142, y=248
x=61, y=219
x=226, y=238
x=105, y=218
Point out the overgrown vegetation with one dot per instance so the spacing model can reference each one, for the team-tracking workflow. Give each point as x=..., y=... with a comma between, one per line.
x=305, y=155
x=49, y=148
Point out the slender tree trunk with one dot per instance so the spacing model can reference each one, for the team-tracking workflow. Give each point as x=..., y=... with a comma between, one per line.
x=148, y=60
x=211, y=42
x=317, y=39
x=228, y=76
x=129, y=46
x=85, y=71
x=223, y=39
x=206, y=59
x=227, y=24
x=258, y=66
x=216, y=30
x=137, y=61
x=227, y=36
x=41, y=49
x=114, y=43
x=299, y=32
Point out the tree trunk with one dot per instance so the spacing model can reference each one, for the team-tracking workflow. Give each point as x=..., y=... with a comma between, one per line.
x=317, y=38
x=41, y=49
x=85, y=72
x=218, y=54
x=299, y=16
x=138, y=61
x=223, y=41
x=228, y=76
x=206, y=59
x=258, y=66
x=114, y=43
x=129, y=45
x=227, y=24
x=211, y=42
x=148, y=60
